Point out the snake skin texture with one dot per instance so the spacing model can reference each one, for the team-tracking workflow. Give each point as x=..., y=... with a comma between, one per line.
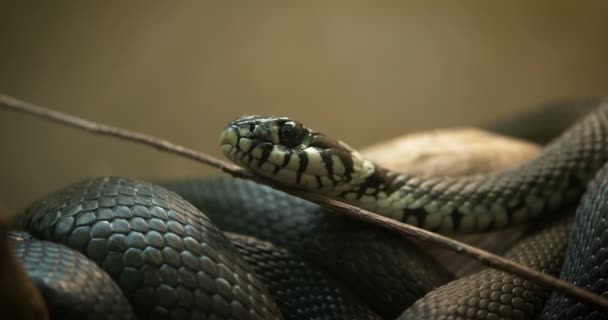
x=288, y=153
x=245, y=207
x=391, y=272
x=85, y=292
x=586, y=262
x=492, y=294
x=301, y=290
x=170, y=261
x=485, y=202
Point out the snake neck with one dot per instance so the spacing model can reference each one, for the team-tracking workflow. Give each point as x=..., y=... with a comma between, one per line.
x=484, y=202
x=464, y=204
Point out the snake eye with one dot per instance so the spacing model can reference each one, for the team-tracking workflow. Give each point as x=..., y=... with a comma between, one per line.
x=291, y=134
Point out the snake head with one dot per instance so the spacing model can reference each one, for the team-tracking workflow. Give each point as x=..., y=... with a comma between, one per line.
x=288, y=152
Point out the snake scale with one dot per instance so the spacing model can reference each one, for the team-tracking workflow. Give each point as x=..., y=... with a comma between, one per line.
x=171, y=262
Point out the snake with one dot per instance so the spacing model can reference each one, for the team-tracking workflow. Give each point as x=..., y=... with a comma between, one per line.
x=171, y=261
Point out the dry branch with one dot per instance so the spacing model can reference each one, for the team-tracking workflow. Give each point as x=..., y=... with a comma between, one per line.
x=486, y=258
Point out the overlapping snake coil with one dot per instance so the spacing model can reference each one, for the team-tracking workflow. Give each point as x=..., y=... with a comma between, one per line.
x=170, y=261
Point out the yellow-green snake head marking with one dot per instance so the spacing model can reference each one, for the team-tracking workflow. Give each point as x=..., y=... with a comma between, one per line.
x=286, y=151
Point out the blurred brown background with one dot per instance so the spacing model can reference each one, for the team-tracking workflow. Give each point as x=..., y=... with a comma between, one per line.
x=363, y=71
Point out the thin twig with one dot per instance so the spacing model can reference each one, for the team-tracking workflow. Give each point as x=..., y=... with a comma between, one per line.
x=484, y=257
x=80, y=123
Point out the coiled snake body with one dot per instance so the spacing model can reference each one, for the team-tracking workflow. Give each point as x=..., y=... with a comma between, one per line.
x=171, y=262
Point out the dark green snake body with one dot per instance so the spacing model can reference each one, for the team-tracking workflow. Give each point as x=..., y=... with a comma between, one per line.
x=348, y=249
x=168, y=258
x=493, y=294
x=586, y=262
x=301, y=290
x=171, y=262
x=87, y=293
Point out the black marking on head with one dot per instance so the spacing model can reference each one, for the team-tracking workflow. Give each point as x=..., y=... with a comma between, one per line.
x=347, y=162
x=266, y=150
x=254, y=144
x=238, y=137
x=303, y=164
x=329, y=164
x=264, y=133
x=323, y=142
x=331, y=147
x=319, y=183
x=286, y=159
